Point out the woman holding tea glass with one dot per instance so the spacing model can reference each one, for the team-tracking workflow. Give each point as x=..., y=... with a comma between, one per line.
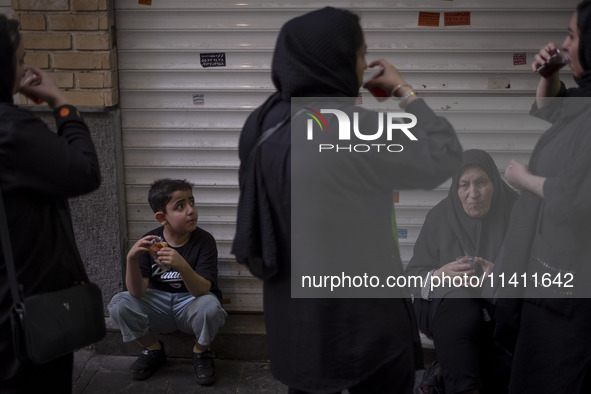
x=546, y=322
x=469, y=224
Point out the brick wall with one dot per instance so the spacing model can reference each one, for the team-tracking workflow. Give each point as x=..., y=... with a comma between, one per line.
x=73, y=40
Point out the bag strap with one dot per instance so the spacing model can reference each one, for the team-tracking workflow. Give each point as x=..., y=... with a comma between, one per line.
x=7, y=251
x=67, y=225
x=269, y=132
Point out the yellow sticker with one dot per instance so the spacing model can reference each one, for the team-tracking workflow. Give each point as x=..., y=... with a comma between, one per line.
x=144, y=2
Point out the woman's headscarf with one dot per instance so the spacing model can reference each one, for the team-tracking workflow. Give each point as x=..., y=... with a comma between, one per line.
x=584, y=26
x=8, y=43
x=316, y=55
x=480, y=236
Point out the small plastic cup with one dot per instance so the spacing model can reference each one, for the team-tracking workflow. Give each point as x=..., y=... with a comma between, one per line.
x=478, y=271
x=557, y=60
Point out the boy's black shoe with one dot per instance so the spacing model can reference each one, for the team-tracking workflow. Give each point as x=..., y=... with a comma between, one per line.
x=204, y=368
x=147, y=363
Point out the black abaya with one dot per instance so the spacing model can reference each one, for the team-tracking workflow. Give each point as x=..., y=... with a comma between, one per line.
x=327, y=345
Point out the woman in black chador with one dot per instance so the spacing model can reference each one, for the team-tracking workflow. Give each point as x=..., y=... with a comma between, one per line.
x=470, y=223
x=546, y=322
x=39, y=171
x=322, y=345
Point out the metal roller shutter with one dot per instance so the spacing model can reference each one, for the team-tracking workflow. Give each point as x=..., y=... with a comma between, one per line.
x=191, y=71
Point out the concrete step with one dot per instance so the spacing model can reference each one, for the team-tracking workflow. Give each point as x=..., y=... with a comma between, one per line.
x=243, y=337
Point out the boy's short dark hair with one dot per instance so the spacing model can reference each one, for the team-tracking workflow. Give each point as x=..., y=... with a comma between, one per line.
x=161, y=191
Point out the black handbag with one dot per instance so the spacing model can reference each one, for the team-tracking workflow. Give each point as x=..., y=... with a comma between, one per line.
x=48, y=325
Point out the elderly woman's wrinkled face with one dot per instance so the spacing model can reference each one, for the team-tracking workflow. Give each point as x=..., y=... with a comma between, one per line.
x=475, y=191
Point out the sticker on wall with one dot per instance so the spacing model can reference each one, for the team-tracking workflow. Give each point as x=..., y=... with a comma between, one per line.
x=519, y=58
x=456, y=18
x=429, y=18
x=213, y=59
x=144, y=2
x=198, y=98
x=402, y=233
x=359, y=100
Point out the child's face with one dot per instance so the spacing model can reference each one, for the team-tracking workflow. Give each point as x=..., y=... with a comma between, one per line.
x=181, y=214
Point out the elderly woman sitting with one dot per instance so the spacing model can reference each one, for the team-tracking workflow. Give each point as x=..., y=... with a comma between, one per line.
x=461, y=237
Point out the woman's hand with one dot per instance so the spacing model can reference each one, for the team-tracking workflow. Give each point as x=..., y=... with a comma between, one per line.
x=542, y=56
x=464, y=269
x=45, y=88
x=516, y=173
x=487, y=268
x=519, y=176
x=387, y=78
x=455, y=268
x=547, y=87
